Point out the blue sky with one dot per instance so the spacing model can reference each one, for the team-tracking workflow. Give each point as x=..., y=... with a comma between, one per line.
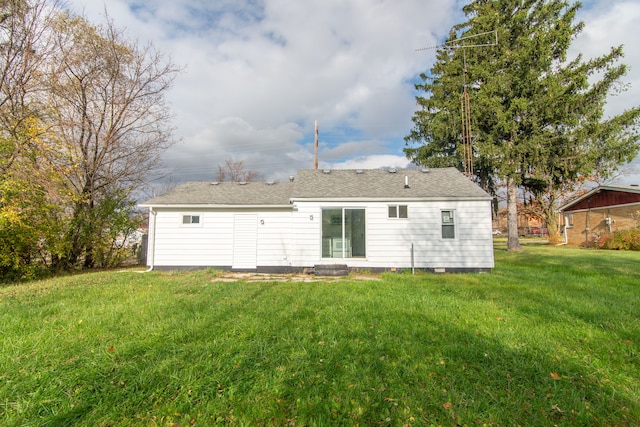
x=258, y=73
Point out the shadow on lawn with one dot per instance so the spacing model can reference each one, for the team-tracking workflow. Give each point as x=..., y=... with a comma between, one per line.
x=588, y=286
x=359, y=362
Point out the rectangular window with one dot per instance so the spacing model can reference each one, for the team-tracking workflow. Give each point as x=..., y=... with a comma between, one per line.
x=448, y=224
x=398, y=211
x=190, y=219
x=568, y=220
x=343, y=233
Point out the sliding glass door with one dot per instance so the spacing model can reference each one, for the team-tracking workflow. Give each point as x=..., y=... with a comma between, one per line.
x=343, y=233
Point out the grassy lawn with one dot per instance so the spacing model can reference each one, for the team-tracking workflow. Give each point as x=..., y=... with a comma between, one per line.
x=551, y=337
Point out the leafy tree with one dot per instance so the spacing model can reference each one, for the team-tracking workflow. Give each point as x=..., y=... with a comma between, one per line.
x=82, y=120
x=24, y=48
x=107, y=106
x=26, y=210
x=537, y=117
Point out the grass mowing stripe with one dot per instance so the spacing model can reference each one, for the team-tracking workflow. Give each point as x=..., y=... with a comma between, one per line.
x=550, y=337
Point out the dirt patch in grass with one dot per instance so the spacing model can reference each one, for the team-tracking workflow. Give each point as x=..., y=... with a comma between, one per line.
x=230, y=276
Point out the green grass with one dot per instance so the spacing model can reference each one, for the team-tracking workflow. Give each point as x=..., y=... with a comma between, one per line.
x=551, y=337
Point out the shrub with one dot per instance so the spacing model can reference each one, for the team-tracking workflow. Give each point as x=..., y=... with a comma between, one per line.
x=621, y=240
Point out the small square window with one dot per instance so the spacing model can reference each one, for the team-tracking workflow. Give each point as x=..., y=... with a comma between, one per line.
x=191, y=219
x=398, y=211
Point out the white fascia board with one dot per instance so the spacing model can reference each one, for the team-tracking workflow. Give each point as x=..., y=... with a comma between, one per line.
x=214, y=206
x=391, y=199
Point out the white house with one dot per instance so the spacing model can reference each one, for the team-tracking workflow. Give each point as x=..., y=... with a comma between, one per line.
x=434, y=219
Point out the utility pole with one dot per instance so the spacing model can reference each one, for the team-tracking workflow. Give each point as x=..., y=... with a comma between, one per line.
x=315, y=146
x=465, y=103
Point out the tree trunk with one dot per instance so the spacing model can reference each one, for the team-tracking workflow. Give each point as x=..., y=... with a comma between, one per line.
x=551, y=217
x=513, y=242
x=89, y=261
x=76, y=237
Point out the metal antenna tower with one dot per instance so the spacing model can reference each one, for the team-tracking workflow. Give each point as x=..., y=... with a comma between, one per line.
x=465, y=103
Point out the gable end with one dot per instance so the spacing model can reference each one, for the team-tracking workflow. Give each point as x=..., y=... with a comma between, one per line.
x=605, y=198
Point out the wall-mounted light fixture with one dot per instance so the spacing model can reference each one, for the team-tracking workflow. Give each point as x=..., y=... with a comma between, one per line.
x=262, y=221
x=311, y=217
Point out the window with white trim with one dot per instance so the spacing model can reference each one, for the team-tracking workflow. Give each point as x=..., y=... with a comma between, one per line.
x=398, y=211
x=343, y=233
x=568, y=220
x=448, y=224
x=190, y=219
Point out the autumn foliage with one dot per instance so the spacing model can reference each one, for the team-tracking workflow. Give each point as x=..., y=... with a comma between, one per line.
x=82, y=121
x=620, y=240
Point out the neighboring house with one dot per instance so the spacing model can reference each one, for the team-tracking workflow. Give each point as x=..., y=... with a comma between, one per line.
x=529, y=224
x=433, y=219
x=601, y=211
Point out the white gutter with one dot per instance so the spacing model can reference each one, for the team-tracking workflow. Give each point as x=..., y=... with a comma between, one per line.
x=211, y=205
x=151, y=240
x=389, y=199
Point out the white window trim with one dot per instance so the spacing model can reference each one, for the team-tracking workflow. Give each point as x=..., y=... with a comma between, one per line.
x=568, y=219
x=455, y=225
x=190, y=225
x=343, y=237
x=397, y=217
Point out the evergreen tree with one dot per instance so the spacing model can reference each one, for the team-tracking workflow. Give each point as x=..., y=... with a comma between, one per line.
x=536, y=117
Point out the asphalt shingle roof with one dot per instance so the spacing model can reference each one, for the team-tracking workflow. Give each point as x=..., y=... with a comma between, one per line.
x=226, y=193
x=333, y=184
x=383, y=184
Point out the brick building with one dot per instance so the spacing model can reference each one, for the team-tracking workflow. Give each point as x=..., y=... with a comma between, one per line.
x=601, y=211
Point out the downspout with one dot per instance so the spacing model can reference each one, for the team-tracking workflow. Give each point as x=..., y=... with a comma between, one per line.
x=565, y=236
x=587, y=229
x=151, y=241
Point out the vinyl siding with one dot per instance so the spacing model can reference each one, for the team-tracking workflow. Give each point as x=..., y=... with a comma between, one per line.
x=293, y=237
x=306, y=235
x=388, y=240
x=210, y=243
x=274, y=238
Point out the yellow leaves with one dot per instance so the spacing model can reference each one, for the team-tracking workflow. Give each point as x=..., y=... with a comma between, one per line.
x=447, y=406
x=555, y=376
x=8, y=216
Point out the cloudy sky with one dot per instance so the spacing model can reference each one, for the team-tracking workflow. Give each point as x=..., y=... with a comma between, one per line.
x=258, y=73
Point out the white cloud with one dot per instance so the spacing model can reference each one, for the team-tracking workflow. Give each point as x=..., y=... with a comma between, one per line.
x=274, y=152
x=372, y=162
x=259, y=73
x=607, y=25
